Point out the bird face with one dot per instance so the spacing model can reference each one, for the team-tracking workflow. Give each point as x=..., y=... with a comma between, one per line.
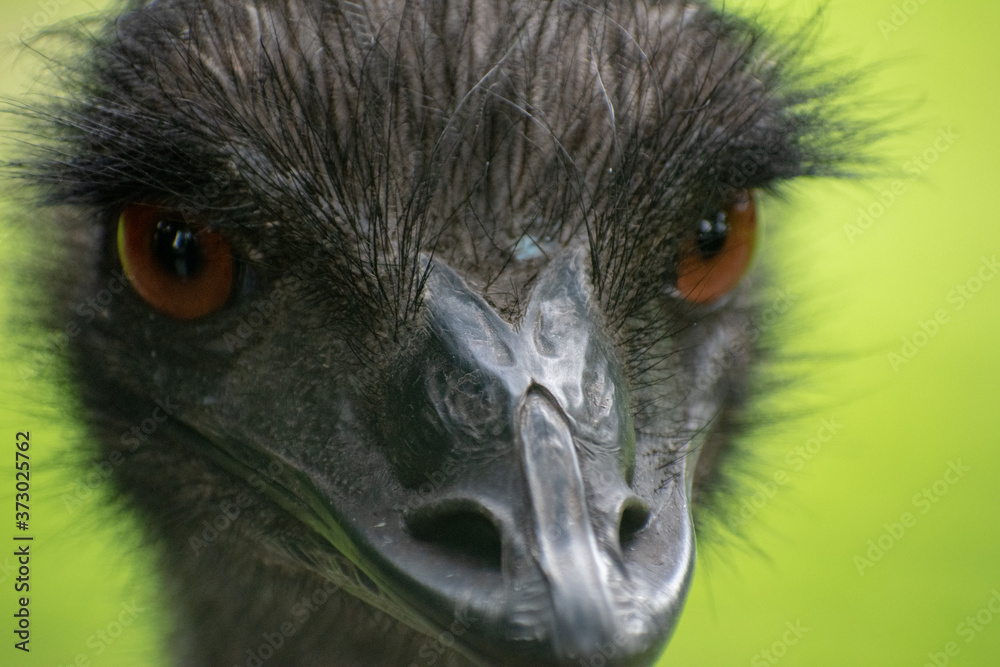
x=449, y=299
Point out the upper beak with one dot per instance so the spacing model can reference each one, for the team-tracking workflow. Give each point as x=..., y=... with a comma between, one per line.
x=533, y=526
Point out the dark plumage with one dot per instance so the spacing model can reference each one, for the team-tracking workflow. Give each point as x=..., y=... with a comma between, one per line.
x=455, y=396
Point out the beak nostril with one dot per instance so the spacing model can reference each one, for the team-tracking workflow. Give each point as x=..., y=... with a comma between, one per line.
x=634, y=517
x=463, y=532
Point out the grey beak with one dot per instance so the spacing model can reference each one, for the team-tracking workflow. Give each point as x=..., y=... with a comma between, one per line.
x=534, y=531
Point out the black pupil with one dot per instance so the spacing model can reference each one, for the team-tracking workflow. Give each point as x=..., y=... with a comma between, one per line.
x=177, y=249
x=712, y=235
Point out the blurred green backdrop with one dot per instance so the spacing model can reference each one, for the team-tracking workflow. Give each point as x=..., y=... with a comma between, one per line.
x=880, y=544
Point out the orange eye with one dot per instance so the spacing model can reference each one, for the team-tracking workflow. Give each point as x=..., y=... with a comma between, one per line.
x=182, y=271
x=714, y=262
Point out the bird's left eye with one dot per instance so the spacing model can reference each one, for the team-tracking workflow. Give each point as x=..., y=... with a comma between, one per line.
x=718, y=254
x=182, y=270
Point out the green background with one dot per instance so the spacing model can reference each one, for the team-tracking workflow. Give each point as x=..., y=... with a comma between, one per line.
x=936, y=75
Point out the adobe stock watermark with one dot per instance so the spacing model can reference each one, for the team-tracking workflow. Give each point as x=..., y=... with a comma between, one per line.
x=900, y=16
x=916, y=167
x=7, y=568
x=779, y=648
x=958, y=297
x=101, y=471
x=924, y=500
x=604, y=654
x=432, y=650
x=46, y=12
x=263, y=310
x=103, y=638
x=229, y=512
x=449, y=471
x=58, y=341
x=967, y=631
x=272, y=641
x=760, y=322
x=796, y=459
x=210, y=530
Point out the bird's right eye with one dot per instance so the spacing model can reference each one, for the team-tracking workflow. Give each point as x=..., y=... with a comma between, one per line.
x=181, y=269
x=719, y=251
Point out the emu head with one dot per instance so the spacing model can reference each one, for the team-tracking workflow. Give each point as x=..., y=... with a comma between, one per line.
x=435, y=304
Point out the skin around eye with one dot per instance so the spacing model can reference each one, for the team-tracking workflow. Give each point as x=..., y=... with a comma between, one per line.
x=713, y=263
x=183, y=271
